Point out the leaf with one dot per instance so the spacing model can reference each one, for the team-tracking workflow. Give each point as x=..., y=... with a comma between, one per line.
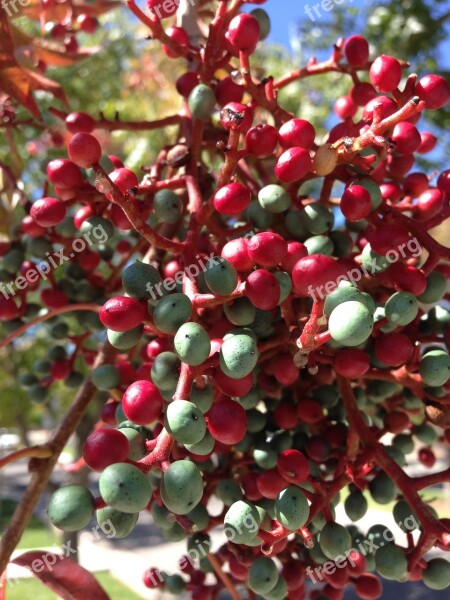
x=64, y=577
x=18, y=82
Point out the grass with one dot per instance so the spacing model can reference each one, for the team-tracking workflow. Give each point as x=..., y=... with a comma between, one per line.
x=36, y=535
x=32, y=588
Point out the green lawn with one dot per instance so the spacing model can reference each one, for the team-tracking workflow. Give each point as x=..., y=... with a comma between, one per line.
x=32, y=588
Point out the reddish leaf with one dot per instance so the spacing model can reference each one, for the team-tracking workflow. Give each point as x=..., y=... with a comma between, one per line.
x=17, y=82
x=64, y=577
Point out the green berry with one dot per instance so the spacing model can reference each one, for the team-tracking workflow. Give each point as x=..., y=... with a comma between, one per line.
x=263, y=575
x=202, y=101
x=405, y=517
x=436, y=575
x=319, y=244
x=355, y=506
x=172, y=312
x=192, y=344
x=181, y=487
x=125, y=488
x=343, y=293
x=220, y=276
x=279, y=592
x=435, y=290
x=164, y=371
x=71, y=507
x=106, y=377
x=136, y=441
x=116, y=524
x=317, y=218
x=391, y=562
x=238, y=356
x=382, y=489
x=435, y=368
x=185, y=422
x=241, y=522
x=229, y=491
x=350, y=323
x=285, y=281
x=334, y=540
x=241, y=312
x=274, y=199
x=203, y=398
x=138, y=280
x=401, y=308
x=124, y=340
x=291, y=508
x=372, y=262
x=168, y=206
x=204, y=446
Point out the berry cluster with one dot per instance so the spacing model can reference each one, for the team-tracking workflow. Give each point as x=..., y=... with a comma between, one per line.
x=254, y=349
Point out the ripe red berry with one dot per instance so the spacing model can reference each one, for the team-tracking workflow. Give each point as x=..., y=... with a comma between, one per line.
x=243, y=33
x=87, y=23
x=267, y=249
x=385, y=73
x=64, y=173
x=293, y=466
x=309, y=411
x=105, y=447
x=427, y=457
x=235, y=388
x=262, y=289
x=285, y=416
x=406, y=137
x=297, y=133
x=351, y=362
x=80, y=122
x=228, y=91
x=428, y=142
x=30, y=227
x=122, y=314
x=142, y=402
x=293, y=165
x=8, y=309
x=443, y=182
x=389, y=237
x=236, y=252
x=356, y=203
x=125, y=180
x=429, y=204
x=434, y=91
x=48, y=212
x=261, y=140
x=84, y=150
x=315, y=275
x=227, y=422
x=396, y=421
x=388, y=107
x=356, y=51
x=368, y=587
x=186, y=83
x=270, y=483
x=54, y=298
x=415, y=184
x=232, y=199
x=345, y=107
x=393, y=349
x=362, y=93
x=284, y=370
x=178, y=35
x=295, y=251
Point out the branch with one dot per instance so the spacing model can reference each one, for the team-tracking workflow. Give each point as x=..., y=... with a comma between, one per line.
x=42, y=468
x=44, y=451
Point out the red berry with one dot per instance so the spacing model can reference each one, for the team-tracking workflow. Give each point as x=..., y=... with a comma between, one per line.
x=284, y=370
x=153, y=579
x=64, y=173
x=351, y=363
x=122, y=313
x=270, y=483
x=356, y=51
x=87, y=23
x=285, y=416
x=295, y=251
x=108, y=414
x=368, y=587
x=345, y=107
x=389, y=238
x=236, y=388
x=243, y=33
x=293, y=466
x=48, y=212
x=396, y=421
x=434, y=91
x=227, y=422
x=236, y=116
x=297, y=133
x=430, y=203
x=262, y=289
x=80, y=122
x=232, y=199
x=406, y=137
x=427, y=143
x=385, y=73
x=293, y=165
x=443, y=182
x=236, y=252
x=186, y=83
x=8, y=309
x=427, y=457
x=84, y=150
x=415, y=183
x=54, y=298
x=142, y=402
x=228, y=91
x=362, y=93
x=309, y=411
x=267, y=249
x=356, y=203
x=261, y=140
x=125, y=180
x=388, y=108
x=393, y=349
x=105, y=447
x=178, y=35
x=31, y=228
x=315, y=275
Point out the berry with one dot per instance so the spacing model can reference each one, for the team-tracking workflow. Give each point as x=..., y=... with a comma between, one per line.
x=261, y=140
x=393, y=349
x=84, y=150
x=232, y=199
x=142, y=403
x=350, y=323
x=243, y=33
x=79, y=122
x=293, y=466
x=368, y=587
x=356, y=203
x=172, y=312
x=178, y=35
x=123, y=523
x=263, y=575
x=385, y=73
x=267, y=249
x=436, y=575
x=434, y=91
x=181, y=487
x=202, y=101
x=71, y=507
x=105, y=447
x=293, y=165
x=185, y=422
x=236, y=252
x=297, y=133
x=274, y=198
x=406, y=137
x=291, y=508
x=391, y=562
x=125, y=488
x=236, y=116
x=139, y=279
x=334, y=540
x=121, y=313
x=168, y=206
x=435, y=368
x=220, y=276
x=356, y=50
x=351, y=363
x=64, y=173
x=262, y=289
x=241, y=522
x=227, y=422
x=48, y=212
x=192, y=344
